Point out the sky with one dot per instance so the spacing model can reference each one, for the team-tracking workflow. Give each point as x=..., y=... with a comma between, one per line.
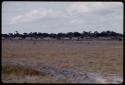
x=55, y=17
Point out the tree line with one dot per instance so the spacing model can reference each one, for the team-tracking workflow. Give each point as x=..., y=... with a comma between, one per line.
x=69, y=35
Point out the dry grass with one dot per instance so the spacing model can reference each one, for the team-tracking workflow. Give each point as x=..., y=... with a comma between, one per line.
x=19, y=70
x=21, y=74
x=105, y=57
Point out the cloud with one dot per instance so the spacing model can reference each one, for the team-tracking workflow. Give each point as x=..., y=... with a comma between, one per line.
x=27, y=17
x=75, y=21
x=73, y=16
x=89, y=7
x=74, y=8
x=36, y=15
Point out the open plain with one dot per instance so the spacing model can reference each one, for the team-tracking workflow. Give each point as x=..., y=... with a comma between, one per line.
x=22, y=60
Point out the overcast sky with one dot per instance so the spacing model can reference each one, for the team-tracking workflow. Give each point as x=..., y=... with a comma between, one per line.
x=54, y=17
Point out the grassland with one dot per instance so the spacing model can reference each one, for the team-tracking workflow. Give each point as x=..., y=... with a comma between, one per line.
x=105, y=57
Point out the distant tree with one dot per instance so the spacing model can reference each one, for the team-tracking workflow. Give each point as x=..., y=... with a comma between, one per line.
x=52, y=35
x=90, y=34
x=24, y=35
x=85, y=34
x=36, y=35
x=6, y=36
x=45, y=35
x=11, y=36
x=70, y=35
x=31, y=35
x=76, y=34
x=18, y=35
x=96, y=34
x=60, y=35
